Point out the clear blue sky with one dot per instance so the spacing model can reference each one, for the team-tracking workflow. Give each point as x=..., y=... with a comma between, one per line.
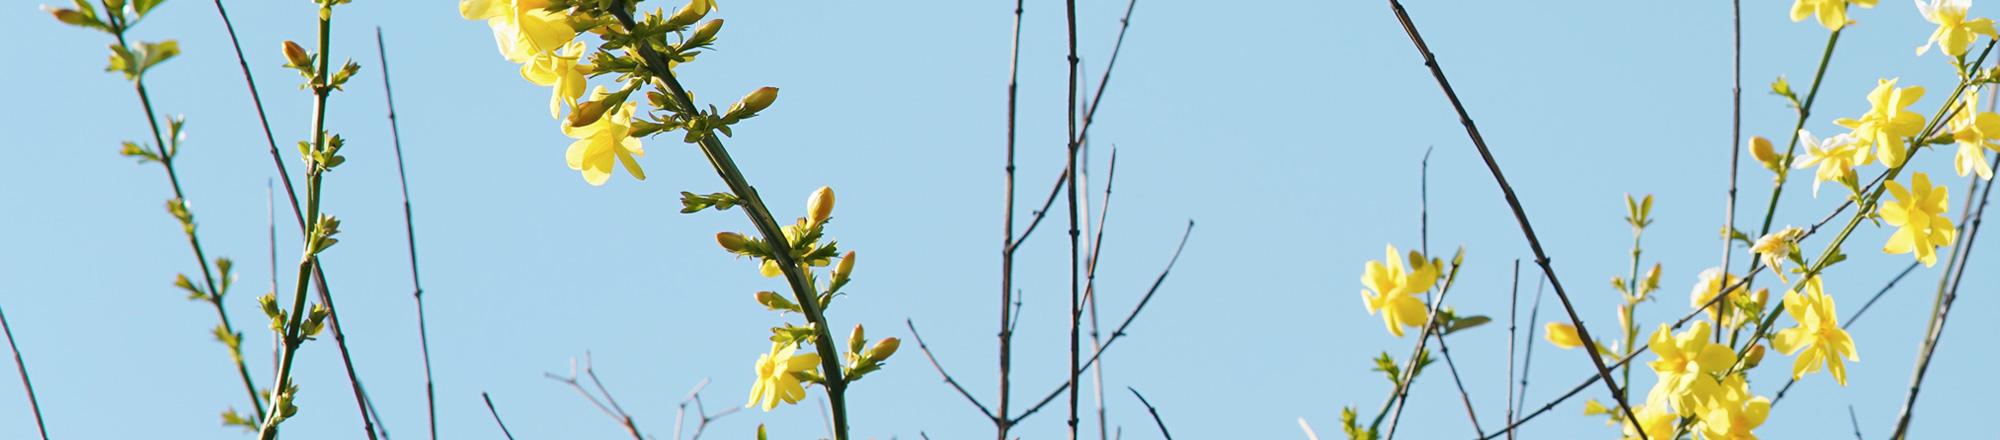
x=1290, y=130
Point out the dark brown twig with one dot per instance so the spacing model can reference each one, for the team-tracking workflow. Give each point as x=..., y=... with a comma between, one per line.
x=701, y=412
x=496, y=415
x=1006, y=336
x=21, y=366
x=926, y=348
x=409, y=232
x=1120, y=332
x=1154, y=411
x=608, y=405
x=1513, y=310
x=1528, y=356
x=1520, y=215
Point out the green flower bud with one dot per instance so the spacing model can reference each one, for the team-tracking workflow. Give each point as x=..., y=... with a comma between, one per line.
x=705, y=33
x=882, y=350
x=732, y=242
x=752, y=103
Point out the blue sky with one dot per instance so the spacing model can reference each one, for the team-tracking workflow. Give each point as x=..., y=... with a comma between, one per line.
x=1290, y=131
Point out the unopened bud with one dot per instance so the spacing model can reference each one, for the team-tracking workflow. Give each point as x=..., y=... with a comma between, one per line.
x=882, y=350
x=587, y=112
x=845, y=268
x=706, y=32
x=296, y=55
x=1624, y=316
x=819, y=207
x=69, y=16
x=1754, y=357
x=754, y=102
x=857, y=339
x=771, y=300
x=732, y=242
x=691, y=13
x=1760, y=149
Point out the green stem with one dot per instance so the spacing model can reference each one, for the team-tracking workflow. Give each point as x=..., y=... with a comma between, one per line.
x=194, y=239
x=293, y=338
x=767, y=226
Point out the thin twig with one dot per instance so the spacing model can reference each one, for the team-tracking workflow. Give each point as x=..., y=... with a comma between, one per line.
x=1528, y=356
x=1452, y=367
x=701, y=412
x=1154, y=411
x=1119, y=333
x=1947, y=294
x=496, y=415
x=926, y=348
x=1735, y=154
x=1090, y=282
x=21, y=366
x=1075, y=243
x=1854, y=420
x=409, y=232
x=608, y=405
x=1400, y=396
x=1006, y=336
x=165, y=156
x=1513, y=310
x=1520, y=215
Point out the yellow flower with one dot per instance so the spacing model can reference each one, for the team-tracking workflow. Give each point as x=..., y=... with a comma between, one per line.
x=521, y=27
x=1954, y=32
x=1887, y=121
x=1733, y=420
x=1687, y=366
x=1836, y=156
x=1395, y=291
x=1657, y=423
x=1975, y=132
x=1711, y=282
x=1831, y=13
x=776, y=378
x=1919, y=213
x=603, y=142
x=559, y=69
x=1775, y=246
x=1818, y=334
x=1562, y=335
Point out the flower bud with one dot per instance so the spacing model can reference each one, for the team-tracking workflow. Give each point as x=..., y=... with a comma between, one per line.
x=733, y=242
x=587, y=112
x=845, y=269
x=1625, y=315
x=857, y=339
x=296, y=55
x=819, y=207
x=1754, y=357
x=1760, y=149
x=773, y=301
x=1562, y=335
x=693, y=12
x=882, y=350
x=706, y=32
x=69, y=16
x=754, y=102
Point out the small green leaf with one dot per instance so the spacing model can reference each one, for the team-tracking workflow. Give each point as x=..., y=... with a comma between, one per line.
x=1466, y=323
